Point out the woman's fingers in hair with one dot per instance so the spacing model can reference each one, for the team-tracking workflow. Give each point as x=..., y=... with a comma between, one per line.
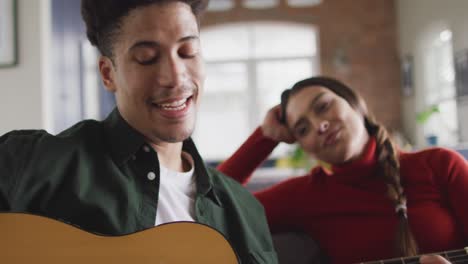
x=274, y=129
x=433, y=259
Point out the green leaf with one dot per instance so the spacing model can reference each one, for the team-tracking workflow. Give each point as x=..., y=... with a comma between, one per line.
x=423, y=116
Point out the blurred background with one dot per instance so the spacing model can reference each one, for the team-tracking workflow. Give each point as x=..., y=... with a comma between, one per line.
x=407, y=58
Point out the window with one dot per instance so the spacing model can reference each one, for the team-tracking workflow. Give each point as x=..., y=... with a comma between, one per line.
x=248, y=66
x=220, y=5
x=260, y=3
x=225, y=5
x=303, y=3
x=441, y=89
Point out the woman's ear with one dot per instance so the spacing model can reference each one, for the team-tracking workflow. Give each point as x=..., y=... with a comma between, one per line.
x=107, y=71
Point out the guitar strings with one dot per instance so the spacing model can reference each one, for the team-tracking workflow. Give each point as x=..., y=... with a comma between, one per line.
x=459, y=259
x=454, y=256
x=453, y=259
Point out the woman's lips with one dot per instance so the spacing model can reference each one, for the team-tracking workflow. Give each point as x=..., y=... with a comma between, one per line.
x=332, y=138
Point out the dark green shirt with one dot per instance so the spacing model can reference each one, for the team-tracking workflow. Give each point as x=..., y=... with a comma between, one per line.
x=94, y=175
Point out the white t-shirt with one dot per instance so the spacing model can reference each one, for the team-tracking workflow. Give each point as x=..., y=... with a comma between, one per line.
x=177, y=191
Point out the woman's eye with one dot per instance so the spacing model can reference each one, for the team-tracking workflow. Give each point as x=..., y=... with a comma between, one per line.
x=301, y=131
x=322, y=107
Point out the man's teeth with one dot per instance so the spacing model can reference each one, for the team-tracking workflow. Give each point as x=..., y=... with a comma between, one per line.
x=177, y=105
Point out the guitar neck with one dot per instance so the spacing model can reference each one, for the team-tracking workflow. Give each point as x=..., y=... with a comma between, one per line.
x=454, y=256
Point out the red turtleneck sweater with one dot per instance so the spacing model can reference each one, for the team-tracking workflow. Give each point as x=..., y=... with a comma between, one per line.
x=348, y=211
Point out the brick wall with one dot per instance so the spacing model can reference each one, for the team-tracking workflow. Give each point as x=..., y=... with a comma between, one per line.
x=358, y=45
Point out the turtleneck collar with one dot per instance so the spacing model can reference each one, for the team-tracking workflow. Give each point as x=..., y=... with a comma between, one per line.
x=360, y=168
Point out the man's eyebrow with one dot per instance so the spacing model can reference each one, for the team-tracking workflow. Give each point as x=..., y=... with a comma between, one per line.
x=155, y=44
x=311, y=106
x=145, y=44
x=188, y=38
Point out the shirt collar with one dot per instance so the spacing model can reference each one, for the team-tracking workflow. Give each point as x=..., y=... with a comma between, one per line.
x=124, y=142
x=204, y=178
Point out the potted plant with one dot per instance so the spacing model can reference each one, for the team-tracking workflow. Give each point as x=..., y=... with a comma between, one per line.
x=422, y=118
x=298, y=159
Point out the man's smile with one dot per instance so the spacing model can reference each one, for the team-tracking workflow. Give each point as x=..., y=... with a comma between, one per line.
x=174, y=108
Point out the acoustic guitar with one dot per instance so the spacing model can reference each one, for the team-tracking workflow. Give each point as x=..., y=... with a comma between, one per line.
x=32, y=239
x=454, y=256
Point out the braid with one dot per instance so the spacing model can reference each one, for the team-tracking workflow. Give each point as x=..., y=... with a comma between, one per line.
x=389, y=167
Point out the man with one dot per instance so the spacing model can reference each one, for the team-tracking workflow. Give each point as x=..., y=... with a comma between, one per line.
x=139, y=167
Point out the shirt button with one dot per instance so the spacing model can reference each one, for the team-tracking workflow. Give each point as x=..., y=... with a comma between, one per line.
x=151, y=176
x=146, y=149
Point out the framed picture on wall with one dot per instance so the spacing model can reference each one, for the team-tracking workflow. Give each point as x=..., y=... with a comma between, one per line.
x=8, y=37
x=407, y=75
x=461, y=72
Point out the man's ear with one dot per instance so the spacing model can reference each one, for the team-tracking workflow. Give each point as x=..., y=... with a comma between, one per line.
x=106, y=68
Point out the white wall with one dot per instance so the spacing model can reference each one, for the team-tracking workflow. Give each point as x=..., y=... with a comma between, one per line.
x=416, y=19
x=21, y=85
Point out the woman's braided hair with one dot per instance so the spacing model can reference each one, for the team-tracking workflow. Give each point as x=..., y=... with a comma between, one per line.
x=387, y=155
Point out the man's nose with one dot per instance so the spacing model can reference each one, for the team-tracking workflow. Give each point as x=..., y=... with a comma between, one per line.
x=171, y=72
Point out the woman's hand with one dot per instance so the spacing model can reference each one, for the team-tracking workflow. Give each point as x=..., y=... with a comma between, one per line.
x=274, y=129
x=433, y=259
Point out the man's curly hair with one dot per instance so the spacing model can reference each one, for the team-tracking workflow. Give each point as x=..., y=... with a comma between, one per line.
x=103, y=18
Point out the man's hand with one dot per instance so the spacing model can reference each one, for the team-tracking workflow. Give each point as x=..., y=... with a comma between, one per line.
x=433, y=259
x=274, y=129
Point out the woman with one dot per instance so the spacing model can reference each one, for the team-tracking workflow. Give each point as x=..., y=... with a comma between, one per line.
x=377, y=202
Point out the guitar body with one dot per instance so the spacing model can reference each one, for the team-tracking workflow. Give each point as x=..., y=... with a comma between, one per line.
x=27, y=239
